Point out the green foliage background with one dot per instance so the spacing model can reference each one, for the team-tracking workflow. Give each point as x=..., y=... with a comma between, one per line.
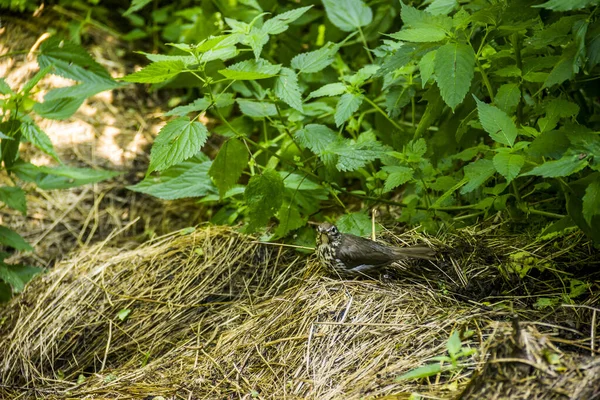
x=449, y=110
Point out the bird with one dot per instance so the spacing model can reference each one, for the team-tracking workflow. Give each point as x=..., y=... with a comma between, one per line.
x=347, y=254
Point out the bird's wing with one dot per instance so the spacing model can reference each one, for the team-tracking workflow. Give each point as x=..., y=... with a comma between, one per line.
x=355, y=251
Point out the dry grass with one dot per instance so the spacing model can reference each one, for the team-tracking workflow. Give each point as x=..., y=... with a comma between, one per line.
x=216, y=315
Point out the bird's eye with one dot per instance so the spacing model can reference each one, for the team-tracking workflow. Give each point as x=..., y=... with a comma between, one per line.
x=333, y=230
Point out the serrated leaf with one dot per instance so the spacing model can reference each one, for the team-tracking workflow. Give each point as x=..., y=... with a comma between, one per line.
x=71, y=61
x=562, y=5
x=187, y=179
x=397, y=98
x=58, y=109
x=354, y=155
x=17, y=275
x=562, y=71
x=197, y=105
x=4, y=88
x=454, y=69
x=508, y=165
x=136, y=5
x=476, y=174
x=14, y=197
x=289, y=219
x=82, y=90
x=317, y=138
x=496, y=123
x=38, y=138
x=263, y=196
x=418, y=35
x=257, y=109
x=346, y=106
x=427, y=66
x=156, y=72
x=348, y=15
x=30, y=84
x=331, y=89
x=10, y=238
x=555, y=110
x=591, y=202
x=565, y=166
x=287, y=88
x=256, y=39
x=61, y=177
x=315, y=61
x=178, y=140
x=508, y=97
x=187, y=59
x=251, y=70
x=356, y=223
x=280, y=23
x=441, y=7
x=398, y=175
x=219, y=53
x=229, y=164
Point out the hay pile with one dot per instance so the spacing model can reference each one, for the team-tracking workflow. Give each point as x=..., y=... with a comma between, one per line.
x=216, y=315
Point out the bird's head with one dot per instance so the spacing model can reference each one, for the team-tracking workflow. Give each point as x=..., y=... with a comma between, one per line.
x=327, y=233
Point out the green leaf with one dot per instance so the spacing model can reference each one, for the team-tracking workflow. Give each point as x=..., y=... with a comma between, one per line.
x=508, y=165
x=397, y=98
x=38, y=138
x=562, y=71
x=429, y=34
x=10, y=238
x=476, y=174
x=426, y=66
x=30, y=84
x=71, y=61
x=555, y=110
x=318, y=138
x=357, y=223
x=229, y=164
x=251, y=70
x=61, y=177
x=123, y=313
x=178, y=140
x=348, y=15
x=454, y=69
x=562, y=5
x=289, y=219
x=422, y=372
x=185, y=59
x=441, y=7
x=14, y=197
x=500, y=126
x=287, y=88
x=136, y=5
x=508, y=97
x=58, y=109
x=331, y=89
x=156, y=72
x=565, y=166
x=17, y=275
x=354, y=155
x=4, y=88
x=315, y=61
x=280, y=23
x=346, y=106
x=187, y=179
x=197, y=105
x=454, y=345
x=256, y=39
x=264, y=196
x=257, y=109
x=398, y=175
x=591, y=202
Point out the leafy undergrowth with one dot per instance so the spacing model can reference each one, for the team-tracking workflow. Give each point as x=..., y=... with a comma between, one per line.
x=212, y=313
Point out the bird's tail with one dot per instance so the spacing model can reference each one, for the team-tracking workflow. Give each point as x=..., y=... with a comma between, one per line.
x=418, y=251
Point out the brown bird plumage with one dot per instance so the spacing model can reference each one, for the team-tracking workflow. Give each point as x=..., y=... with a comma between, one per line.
x=348, y=253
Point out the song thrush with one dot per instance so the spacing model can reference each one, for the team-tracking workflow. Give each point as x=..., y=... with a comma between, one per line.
x=347, y=253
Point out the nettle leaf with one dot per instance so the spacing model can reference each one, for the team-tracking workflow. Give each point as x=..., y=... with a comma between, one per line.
x=229, y=165
x=414, y=18
x=187, y=179
x=136, y=5
x=185, y=59
x=58, y=109
x=4, y=88
x=178, y=140
x=562, y=5
x=357, y=223
x=563, y=69
x=508, y=165
x=500, y=126
x=318, y=138
x=591, y=202
x=17, y=275
x=476, y=174
x=61, y=177
x=256, y=39
x=354, y=155
x=264, y=196
x=220, y=53
x=569, y=164
x=398, y=175
x=315, y=61
x=10, y=238
x=287, y=88
x=441, y=7
x=555, y=110
x=289, y=219
x=508, y=97
x=331, y=89
x=71, y=61
x=257, y=109
x=396, y=98
x=38, y=138
x=427, y=66
x=14, y=197
x=251, y=70
x=156, y=72
x=280, y=23
x=454, y=69
x=197, y=105
x=429, y=34
x=348, y=15
x=346, y=106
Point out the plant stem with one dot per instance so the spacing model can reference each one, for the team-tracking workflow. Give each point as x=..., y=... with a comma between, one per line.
x=364, y=42
x=375, y=106
x=545, y=213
